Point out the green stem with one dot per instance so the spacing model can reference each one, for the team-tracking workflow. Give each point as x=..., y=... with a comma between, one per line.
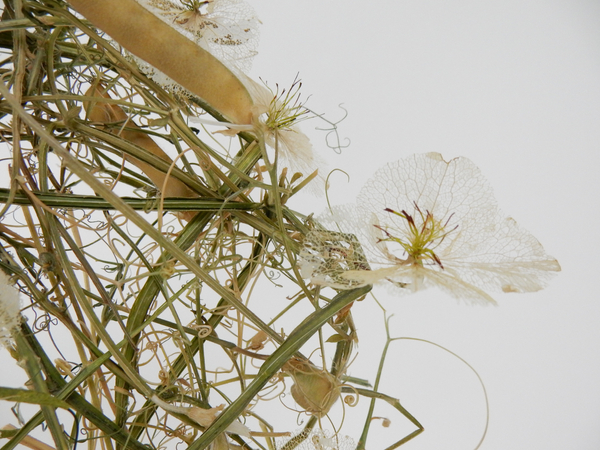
x=32, y=366
x=72, y=201
x=363, y=438
x=271, y=366
x=62, y=390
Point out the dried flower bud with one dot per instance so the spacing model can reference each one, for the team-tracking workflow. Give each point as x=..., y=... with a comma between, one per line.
x=314, y=389
x=202, y=416
x=257, y=342
x=64, y=367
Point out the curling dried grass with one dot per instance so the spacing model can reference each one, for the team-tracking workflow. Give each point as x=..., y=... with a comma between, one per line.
x=146, y=304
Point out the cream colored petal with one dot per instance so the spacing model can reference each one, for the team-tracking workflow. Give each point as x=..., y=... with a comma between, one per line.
x=482, y=249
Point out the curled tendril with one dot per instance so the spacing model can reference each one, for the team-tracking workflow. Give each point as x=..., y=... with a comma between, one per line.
x=351, y=400
x=385, y=422
x=43, y=322
x=203, y=330
x=338, y=146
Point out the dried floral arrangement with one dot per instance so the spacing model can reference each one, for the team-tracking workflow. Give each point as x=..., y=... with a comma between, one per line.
x=145, y=221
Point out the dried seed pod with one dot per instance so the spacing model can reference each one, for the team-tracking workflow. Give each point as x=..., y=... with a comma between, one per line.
x=257, y=342
x=149, y=38
x=314, y=389
x=107, y=113
x=228, y=29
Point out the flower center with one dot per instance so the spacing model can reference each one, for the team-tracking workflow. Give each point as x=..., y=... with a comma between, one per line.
x=200, y=6
x=192, y=10
x=286, y=109
x=422, y=235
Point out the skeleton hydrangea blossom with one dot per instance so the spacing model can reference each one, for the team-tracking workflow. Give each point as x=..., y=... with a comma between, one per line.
x=10, y=306
x=317, y=439
x=425, y=222
x=226, y=28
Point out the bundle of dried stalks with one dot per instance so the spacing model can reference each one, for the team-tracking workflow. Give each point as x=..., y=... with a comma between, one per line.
x=143, y=247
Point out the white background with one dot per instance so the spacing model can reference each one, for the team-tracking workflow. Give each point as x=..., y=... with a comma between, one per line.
x=515, y=87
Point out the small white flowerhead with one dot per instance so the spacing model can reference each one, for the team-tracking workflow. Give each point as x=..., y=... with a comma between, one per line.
x=426, y=222
x=228, y=29
x=10, y=307
x=317, y=439
x=276, y=118
x=327, y=255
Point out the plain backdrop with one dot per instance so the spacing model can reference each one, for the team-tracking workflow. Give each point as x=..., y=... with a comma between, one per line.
x=514, y=85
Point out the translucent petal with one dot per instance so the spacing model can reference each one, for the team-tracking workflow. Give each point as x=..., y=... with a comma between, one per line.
x=294, y=149
x=480, y=249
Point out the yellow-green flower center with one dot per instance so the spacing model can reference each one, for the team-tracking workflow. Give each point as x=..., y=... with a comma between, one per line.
x=422, y=235
x=286, y=108
x=198, y=6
